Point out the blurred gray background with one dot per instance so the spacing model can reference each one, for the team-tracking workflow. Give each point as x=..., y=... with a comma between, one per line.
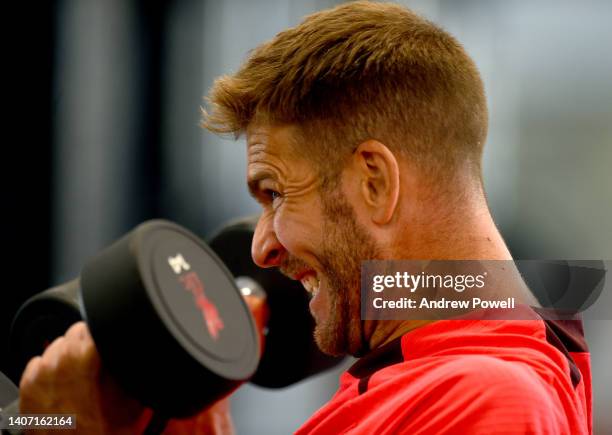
x=106, y=135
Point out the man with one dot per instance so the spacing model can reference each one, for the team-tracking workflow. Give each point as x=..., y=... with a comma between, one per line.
x=365, y=127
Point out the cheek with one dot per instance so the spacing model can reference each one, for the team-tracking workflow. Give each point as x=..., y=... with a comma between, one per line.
x=297, y=230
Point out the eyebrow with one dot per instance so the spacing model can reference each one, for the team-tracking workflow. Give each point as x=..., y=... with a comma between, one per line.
x=253, y=181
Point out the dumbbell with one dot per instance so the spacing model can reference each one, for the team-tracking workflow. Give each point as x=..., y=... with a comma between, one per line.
x=167, y=319
x=291, y=353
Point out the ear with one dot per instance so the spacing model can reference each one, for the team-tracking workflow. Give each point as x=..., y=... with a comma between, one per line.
x=378, y=170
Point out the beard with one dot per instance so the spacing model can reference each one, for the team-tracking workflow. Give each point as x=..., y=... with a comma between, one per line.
x=344, y=246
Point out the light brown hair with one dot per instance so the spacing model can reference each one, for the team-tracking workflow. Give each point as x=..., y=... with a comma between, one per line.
x=359, y=71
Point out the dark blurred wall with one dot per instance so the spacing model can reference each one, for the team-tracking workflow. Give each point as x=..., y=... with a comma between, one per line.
x=82, y=154
x=26, y=155
x=108, y=125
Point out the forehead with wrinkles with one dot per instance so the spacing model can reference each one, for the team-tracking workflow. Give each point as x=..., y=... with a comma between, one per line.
x=272, y=137
x=266, y=146
x=271, y=153
x=272, y=142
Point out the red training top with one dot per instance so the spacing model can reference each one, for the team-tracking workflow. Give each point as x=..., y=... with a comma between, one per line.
x=468, y=377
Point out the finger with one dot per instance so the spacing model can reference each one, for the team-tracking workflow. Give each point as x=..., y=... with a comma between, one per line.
x=78, y=331
x=30, y=373
x=81, y=353
x=53, y=354
x=29, y=384
x=80, y=338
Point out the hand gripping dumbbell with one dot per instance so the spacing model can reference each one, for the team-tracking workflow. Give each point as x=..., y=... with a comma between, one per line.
x=167, y=319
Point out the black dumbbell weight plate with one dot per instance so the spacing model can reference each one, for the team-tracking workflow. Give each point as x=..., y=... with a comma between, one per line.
x=169, y=322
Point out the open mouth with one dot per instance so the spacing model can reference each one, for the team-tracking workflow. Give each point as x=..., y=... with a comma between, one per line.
x=311, y=283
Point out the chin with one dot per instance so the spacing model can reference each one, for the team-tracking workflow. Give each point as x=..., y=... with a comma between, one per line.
x=329, y=341
x=334, y=338
x=330, y=349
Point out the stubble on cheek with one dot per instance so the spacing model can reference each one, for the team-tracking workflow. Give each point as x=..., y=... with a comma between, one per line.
x=345, y=245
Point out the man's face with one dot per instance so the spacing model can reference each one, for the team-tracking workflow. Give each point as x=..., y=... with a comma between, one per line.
x=310, y=235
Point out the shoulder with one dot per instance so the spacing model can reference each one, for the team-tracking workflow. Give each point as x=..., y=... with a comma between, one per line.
x=481, y=394
x=467, y=376
x=483, y=371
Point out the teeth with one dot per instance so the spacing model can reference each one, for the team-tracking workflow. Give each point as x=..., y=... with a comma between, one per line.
x=311, y=284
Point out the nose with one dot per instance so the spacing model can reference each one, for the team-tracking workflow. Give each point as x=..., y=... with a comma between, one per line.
x=266, y=250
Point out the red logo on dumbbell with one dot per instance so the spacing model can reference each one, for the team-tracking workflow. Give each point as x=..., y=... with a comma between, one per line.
x=192, y=282
x=213, y=321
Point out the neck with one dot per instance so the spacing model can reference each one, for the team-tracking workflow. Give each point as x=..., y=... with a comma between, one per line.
x=461, y=232
x=468, y=233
